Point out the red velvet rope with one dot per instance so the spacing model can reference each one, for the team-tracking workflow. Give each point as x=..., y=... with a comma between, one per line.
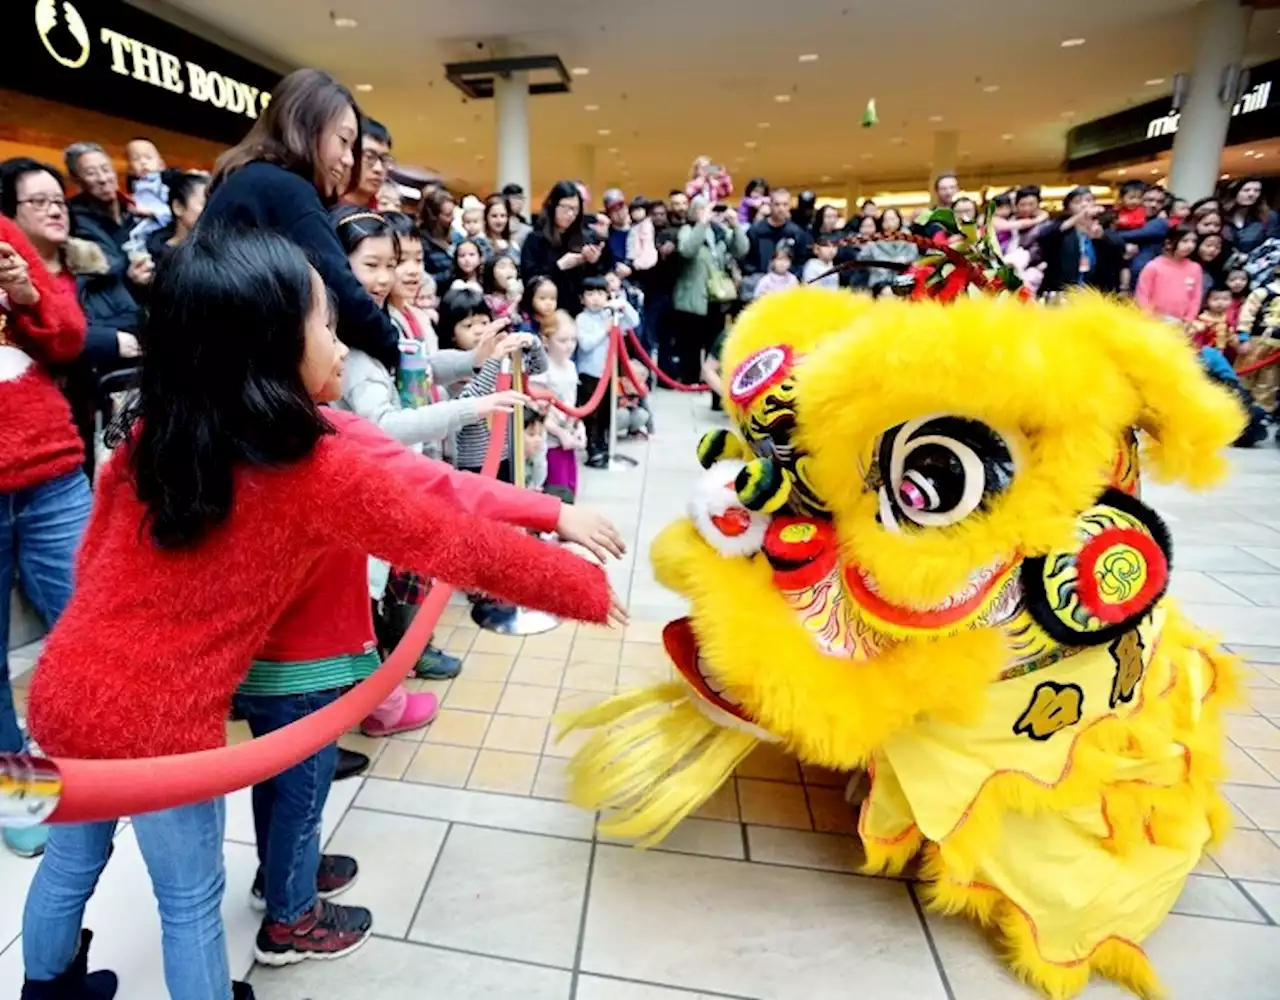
x=1249, y=369
x=95, y=790
x=662, y=376
x=590, y=406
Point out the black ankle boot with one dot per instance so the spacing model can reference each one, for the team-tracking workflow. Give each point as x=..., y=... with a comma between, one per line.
x=77, y=983
x=350, y=764
x=241, y=991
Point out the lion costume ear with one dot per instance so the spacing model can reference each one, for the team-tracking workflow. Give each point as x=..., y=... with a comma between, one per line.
x=1189, y=420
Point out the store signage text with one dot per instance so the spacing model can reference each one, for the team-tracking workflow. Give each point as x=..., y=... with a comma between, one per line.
x=1255, y=100
x=148, y=64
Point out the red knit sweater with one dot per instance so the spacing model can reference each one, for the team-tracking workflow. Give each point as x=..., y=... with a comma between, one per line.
x=38, y=440
x=330, y=615
x=154, y=641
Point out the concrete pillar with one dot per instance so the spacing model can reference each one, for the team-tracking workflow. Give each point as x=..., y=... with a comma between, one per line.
x=946, y=154
x=852, y=197
x=511, y=106
x=1202, y=127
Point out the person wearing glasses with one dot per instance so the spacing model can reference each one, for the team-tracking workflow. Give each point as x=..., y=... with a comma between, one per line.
x=376, y=163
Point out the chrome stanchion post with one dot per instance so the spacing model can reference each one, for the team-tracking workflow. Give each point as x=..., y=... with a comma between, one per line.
x=30, y=788
x=509, y=619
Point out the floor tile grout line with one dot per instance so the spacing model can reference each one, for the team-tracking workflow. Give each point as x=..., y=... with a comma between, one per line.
x=693, y=992
x=582, y=918
x=928, y=938
x=454, y=949
x=746, y=841
x=1256, y=905
x=444, y=842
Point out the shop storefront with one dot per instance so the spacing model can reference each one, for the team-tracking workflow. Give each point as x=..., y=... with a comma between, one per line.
x=1143, y=136
x=101, y=70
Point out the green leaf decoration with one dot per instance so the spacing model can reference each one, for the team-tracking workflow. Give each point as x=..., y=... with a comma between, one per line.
x=869, y=116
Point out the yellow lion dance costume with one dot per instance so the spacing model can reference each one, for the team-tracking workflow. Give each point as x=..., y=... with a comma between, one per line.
x=924, y=556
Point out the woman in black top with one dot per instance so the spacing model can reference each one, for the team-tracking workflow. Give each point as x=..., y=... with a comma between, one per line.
x=561, y=249
x=435, y=219
x=301, y=155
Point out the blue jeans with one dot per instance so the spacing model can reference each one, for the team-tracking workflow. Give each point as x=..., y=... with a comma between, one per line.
x=183, y=851
x=40, y=530
x=287, y=809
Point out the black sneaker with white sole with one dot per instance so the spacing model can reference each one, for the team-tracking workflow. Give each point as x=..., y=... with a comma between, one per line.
x=336, y=875
x=328, y=931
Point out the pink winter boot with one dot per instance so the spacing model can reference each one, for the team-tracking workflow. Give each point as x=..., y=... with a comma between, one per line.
x=401, y=713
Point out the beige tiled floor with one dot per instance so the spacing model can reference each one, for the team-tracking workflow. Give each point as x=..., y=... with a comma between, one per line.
x=484, y=882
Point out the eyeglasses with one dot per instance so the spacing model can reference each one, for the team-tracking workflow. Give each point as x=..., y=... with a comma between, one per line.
x=42, y=203
x=369, y=158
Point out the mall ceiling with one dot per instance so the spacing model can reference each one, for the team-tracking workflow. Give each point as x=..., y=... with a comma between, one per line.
x=667, y=80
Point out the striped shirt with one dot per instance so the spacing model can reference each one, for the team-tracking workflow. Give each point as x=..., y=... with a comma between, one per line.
x=472, y=442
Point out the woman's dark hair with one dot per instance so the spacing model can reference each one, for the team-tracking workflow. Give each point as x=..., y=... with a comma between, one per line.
x=1175, y=235
x=432, y=219
x=488, y=281
x=303, y=105
x=183, y=184
x=220, y=387
x=820, y=215
x=354, y=225
x=758, y=185
x=403, y=225
x=1003, y=200
x=489, y=202
x=530, y=290
x=885, y=213
x=572, y=239
x=1201, y=207
x=1222, y=246
x=12, y=171
x=1257, y=212
x=459, y=304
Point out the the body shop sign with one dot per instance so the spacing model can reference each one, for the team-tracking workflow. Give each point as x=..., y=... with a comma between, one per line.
x=109, y=57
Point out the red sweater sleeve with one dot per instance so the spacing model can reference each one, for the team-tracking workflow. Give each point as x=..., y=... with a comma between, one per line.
x=360, y=502
x=53, y=329
x=464, y=491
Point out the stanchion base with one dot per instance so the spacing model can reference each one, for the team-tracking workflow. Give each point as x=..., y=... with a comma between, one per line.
x=624, y=461
x=507, y=619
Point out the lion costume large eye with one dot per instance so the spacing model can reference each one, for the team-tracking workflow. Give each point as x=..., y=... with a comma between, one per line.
x=937, y=471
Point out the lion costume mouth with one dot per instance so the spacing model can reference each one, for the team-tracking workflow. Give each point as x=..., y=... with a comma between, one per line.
x=958, y=607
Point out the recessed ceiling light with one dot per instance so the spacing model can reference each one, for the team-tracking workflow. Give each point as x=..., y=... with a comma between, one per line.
x=867, y=156
x=1072, y=43
x=1225, y=177
x=1121, y=173
x=935, y=118
x=344, y=22
x=592, y=107
x=809, y=57
x=750, y=145
x=966, y=152
x=1006, y=136
x=479, y=157
x=846, y=166
x=1154, y=171
x=991, y=88
x=613, y=149
x=897, y=140
x=825, y=178
x=762, y=124
x=579, y=71
x=604, y=131
x=460, y=140
x=782, y=98
x=1068, y=114
x=1259, y=156
x=364, y=88
x=1155, y=81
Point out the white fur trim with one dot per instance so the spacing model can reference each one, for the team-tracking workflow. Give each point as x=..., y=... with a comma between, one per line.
x=714, y=495
x=14, y=363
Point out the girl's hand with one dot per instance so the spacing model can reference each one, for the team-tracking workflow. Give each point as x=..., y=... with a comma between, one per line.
x=569, y=261
x=593, y=532
x=618, y=617
x=487, y=340
x=512, y=343
x=501, y=402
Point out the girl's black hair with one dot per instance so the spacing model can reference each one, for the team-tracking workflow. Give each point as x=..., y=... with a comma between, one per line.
x=12, y=171
x=530, y=290
x=354, y=225
x=572, y=240
x=1003, y=200
x=533, y=416
x=1175, y=235
x=183, y=184
x=459, y=304
x=457, y=269
x=220, y=387
x=403, y=225
x=489, y=282
x=753, y=184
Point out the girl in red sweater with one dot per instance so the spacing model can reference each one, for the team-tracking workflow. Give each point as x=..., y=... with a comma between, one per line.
x=229, y=488
x=44, y=496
